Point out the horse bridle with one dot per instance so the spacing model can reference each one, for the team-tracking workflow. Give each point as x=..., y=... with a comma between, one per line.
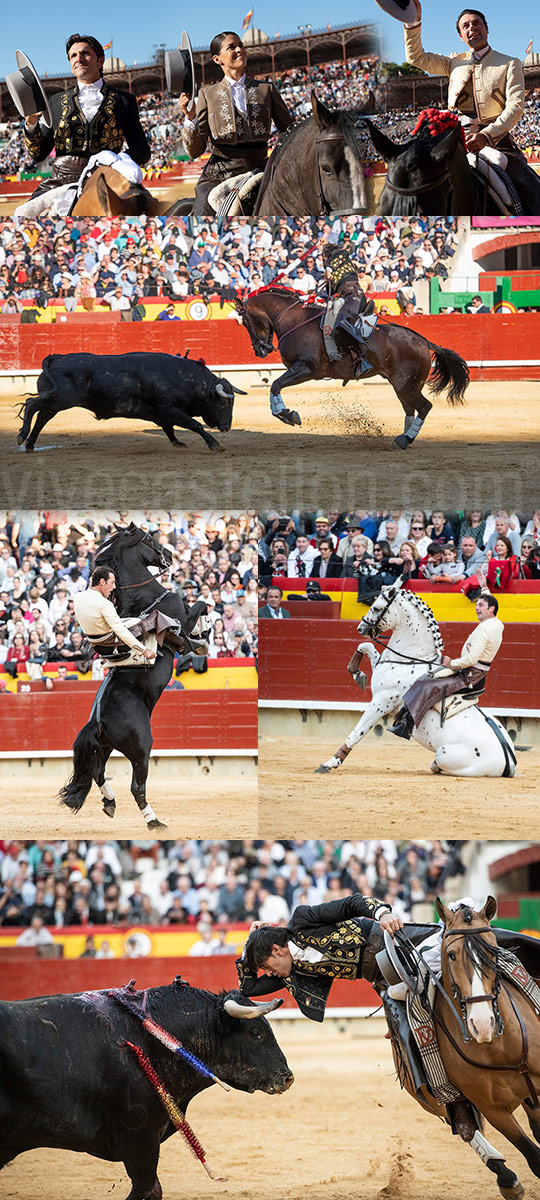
x=379, y=641
x=425, y=187
x=149, y=541
x=492, y=996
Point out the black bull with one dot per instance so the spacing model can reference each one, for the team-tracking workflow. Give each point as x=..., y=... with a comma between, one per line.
x=68, y=1081
x=163, y=388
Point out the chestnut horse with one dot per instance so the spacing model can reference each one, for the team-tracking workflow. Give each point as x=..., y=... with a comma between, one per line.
x=488, y=1039
x=402, y=356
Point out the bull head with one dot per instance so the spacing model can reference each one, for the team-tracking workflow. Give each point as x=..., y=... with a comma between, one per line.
x=255, y=1008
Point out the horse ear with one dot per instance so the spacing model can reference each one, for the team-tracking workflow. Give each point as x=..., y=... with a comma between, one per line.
x=370, y=105
x=443, y=912
x=382, y=143
x=447, y=145
x=322, y=114
x=490, y=908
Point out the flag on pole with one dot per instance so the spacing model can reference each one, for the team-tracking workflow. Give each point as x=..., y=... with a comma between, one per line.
x=529, y=47
x=278, y=34
x=108, y=46
x=247, y=19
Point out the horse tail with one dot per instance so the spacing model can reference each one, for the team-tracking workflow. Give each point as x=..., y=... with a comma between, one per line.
x=86, y=756
x=449, y=371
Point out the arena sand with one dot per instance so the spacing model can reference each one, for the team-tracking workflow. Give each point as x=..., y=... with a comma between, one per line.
x=191, y=808
x=384, y=785
x=344, y=1131
x=341, y=456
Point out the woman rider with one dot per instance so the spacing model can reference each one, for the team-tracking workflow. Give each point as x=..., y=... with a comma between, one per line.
x=235, y=115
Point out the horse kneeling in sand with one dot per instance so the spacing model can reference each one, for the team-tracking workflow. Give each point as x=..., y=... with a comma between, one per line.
x=466, y=741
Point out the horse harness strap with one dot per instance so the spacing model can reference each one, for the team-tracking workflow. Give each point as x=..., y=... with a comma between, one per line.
x=417, y=191
x=521, y=1068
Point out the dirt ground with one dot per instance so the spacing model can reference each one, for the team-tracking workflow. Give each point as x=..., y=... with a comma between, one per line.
x=193, y=808
x=343, y=450
x=343, y=1131
x=381, y=787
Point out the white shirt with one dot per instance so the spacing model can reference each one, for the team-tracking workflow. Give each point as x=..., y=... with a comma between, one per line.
x=307, y=558
x=90, y=97
x=481, y=645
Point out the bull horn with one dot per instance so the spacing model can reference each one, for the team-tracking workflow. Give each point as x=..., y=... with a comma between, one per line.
x=221, y=392
x=257, y=1008
x=238, y=391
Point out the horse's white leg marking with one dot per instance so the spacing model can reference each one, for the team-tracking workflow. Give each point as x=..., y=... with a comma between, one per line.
x=148, y=813
x=106, y=790
x=369, y=718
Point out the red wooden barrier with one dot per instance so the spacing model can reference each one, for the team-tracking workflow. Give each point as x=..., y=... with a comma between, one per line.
x=20, y=979
x=22, y=347
x=190, y=720
x=307, y=660
x=518, y=586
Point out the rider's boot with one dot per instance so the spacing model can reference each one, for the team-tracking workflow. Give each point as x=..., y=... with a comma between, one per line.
x=462, y=1118
x=403, y=724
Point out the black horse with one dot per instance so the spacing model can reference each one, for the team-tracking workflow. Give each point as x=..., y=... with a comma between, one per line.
x=429, y=173
x=122, y=710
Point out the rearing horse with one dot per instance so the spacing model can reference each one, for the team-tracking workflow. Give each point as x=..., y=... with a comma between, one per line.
x=121, y=714
x=405, y=358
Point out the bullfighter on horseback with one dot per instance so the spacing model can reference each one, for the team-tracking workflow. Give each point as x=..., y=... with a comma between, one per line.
x=487, y=88
x=347, y=302
x=99, y=619
x=466, y=673
x=85, y=120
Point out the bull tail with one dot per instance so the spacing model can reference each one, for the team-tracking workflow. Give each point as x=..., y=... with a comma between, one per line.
x=449, y=371
x=86, y=760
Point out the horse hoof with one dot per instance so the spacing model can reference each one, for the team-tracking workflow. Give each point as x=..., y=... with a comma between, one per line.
x=28, y=448
x=322, y=770
x=402, y=442
x=435, y=768
x=109, y=810
x=514, y=1193
x=20, y=439
x=289, y=417
x=155, y=824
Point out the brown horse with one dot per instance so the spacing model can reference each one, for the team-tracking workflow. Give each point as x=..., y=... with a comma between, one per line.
x=107, y=193
x=400, y=355
x=498, y=1067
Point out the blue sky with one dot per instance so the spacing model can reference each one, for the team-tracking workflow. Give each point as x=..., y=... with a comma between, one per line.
x=136, y=26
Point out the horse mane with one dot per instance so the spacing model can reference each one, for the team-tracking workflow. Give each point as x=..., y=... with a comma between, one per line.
x=434, y=123
x=276, y=289
x=417, y=602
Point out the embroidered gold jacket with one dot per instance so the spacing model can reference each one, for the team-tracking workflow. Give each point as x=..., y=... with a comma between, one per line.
x=343, y=270
x=492, y=89
x=340, y=931
x=219, y=122
x=115, y=123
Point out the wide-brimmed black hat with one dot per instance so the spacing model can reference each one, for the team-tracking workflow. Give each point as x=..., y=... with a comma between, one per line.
x=180, y=69
x=25, y=89
x=398, y=961
x=402, y=10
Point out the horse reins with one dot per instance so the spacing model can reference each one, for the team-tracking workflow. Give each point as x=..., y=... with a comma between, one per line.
x=522, y=1068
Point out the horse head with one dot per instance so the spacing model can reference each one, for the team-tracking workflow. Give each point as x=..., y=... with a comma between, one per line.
x=378, y=617
x=469, y=966
x=420, y=171
x=258, y=324
x=340, y=158
x=129, y=548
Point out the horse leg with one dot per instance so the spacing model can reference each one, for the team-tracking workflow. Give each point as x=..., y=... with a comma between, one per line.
x=139, y=757
x=416, y=408
x=506, y=1123
x=533, y=1117
x=105, y=785
x=41, y=420
x=377, y=709
x=509, y=1185
x=298, y=373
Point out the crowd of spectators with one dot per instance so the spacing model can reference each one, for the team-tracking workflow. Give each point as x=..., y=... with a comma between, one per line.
x=117, y=264
x=209, y=886
x=46, y=558
x=477, y=550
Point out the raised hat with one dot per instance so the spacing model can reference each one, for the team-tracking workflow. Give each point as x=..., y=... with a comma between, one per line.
x=25, y=89
x=402, y=10
x=398, y=961
x=180, y=69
